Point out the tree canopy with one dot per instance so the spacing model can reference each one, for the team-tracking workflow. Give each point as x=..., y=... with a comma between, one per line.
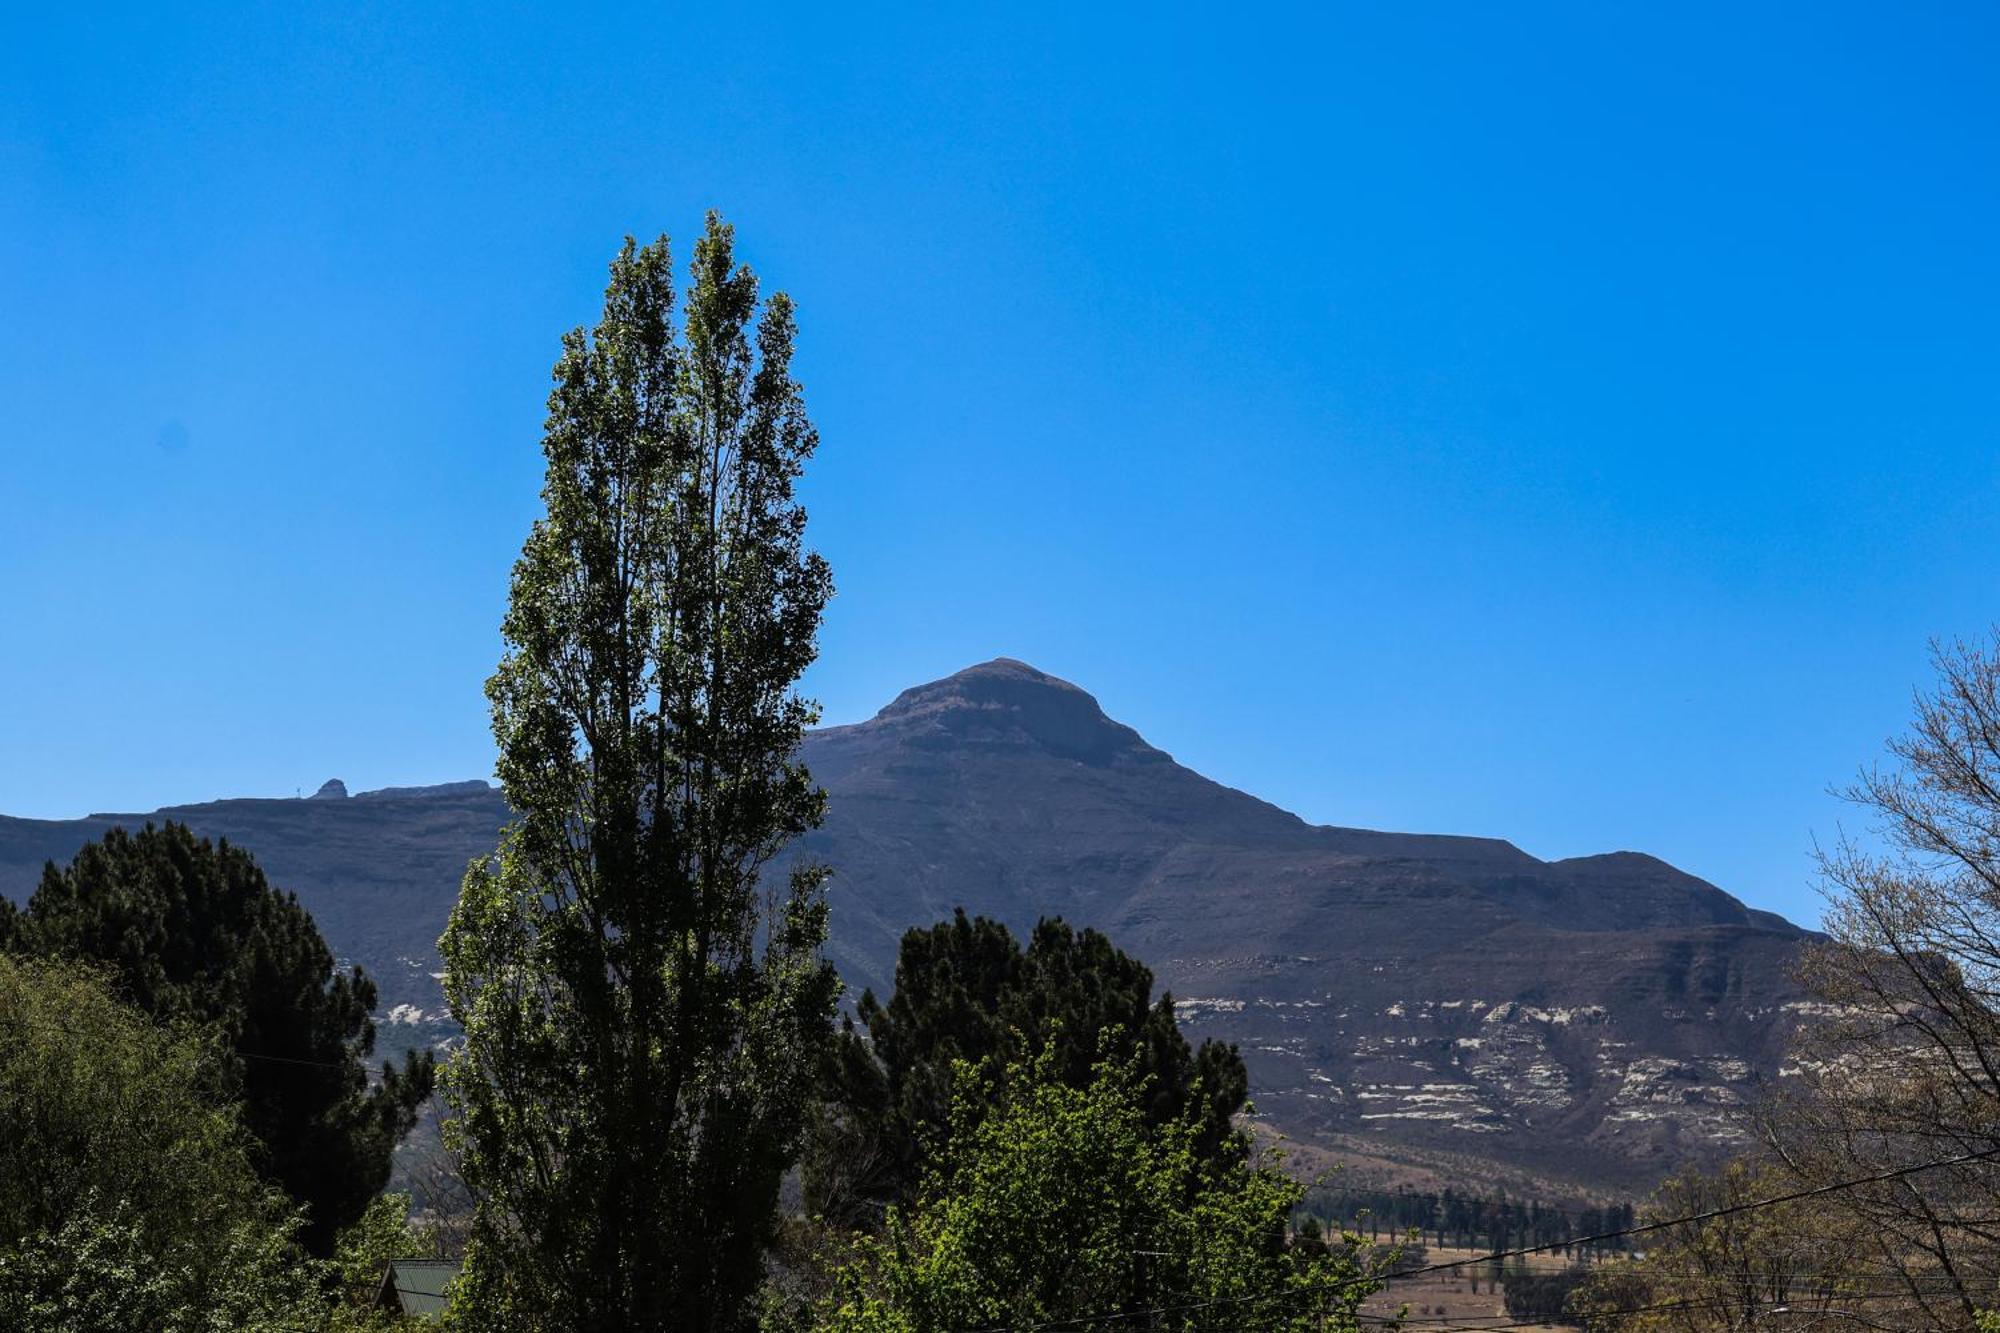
x=1896, y=1065
x=1053, y=1202
x=1802, y=1263
x=191, y=931
x=967, y=991
x=128, y=1195
x=643, y=1014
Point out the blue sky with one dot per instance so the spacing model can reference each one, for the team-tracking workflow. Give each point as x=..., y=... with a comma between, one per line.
x=1564, y=423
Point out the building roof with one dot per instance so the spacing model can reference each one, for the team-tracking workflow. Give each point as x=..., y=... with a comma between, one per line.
x=416, y=1286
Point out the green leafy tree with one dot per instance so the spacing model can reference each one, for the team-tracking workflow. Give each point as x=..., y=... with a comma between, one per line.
x=1062, y=1204
x=99, y=1274
x=642, y=1021
x=128, y=1198
x=91, y=1273
x=360, y=1260
x=967, y=991
x=1543, y=1297
x=192, y=931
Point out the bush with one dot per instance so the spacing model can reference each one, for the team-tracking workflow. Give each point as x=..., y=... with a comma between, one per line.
x=1543, y=1296
x=127, y=1195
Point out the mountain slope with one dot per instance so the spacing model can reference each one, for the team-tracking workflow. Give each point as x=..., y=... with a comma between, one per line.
x=1411, y=998
x=1399, y=995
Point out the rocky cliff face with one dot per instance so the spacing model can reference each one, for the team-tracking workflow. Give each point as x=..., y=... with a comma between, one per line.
x=1405, y=997
x=1412, y=999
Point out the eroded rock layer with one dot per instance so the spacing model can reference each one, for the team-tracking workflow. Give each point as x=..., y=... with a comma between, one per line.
x=1399, y=997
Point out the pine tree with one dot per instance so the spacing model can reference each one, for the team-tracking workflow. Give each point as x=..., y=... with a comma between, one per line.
x=966, y=990
x=642, y=1023
x=192, y=931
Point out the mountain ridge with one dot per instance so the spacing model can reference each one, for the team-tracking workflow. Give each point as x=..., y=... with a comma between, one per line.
x=1400, y=997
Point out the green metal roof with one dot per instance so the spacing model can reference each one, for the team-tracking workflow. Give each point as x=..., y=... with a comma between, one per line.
x=418, y=1284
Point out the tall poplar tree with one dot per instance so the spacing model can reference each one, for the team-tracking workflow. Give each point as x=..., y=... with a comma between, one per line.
x=642, y=1012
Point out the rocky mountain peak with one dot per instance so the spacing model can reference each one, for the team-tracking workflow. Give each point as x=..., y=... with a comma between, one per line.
x=1417, y=1001
x=333, y=789
x=1007, y=702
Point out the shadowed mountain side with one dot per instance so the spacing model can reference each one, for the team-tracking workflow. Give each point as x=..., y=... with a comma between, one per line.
x=379, y=872
x=1403, y=996
x=1007, y=788
x=1597, y=1018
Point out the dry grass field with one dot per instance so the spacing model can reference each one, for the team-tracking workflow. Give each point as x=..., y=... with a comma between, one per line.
x=1464, y=1297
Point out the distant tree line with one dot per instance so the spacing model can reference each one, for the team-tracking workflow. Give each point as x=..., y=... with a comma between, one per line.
x=1455, y=1218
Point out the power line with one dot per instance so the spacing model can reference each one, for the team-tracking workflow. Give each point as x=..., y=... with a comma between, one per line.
x=1727, y=1210
x=1516, y=1324
x=1448, y=1266
x=1645, y=1228
x=1868, y=1284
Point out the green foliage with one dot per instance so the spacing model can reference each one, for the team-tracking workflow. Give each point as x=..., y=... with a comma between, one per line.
x=1061, y=1203
x=382, y=1233
x=192, y=932
x=128, y=1199
x=967, y=991
x=641, y=1025
x=99, y=1274
x=90, y=1274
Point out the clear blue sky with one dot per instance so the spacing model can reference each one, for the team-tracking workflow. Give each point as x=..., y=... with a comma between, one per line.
x=1562, y=423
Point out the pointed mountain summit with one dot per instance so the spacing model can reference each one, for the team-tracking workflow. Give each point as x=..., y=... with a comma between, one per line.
x=1050, y=801
x=1423, y=1004
x=1399, y=997
x=1005, y=702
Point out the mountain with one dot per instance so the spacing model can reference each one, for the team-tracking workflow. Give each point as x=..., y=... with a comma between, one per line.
x=1428, y=1006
